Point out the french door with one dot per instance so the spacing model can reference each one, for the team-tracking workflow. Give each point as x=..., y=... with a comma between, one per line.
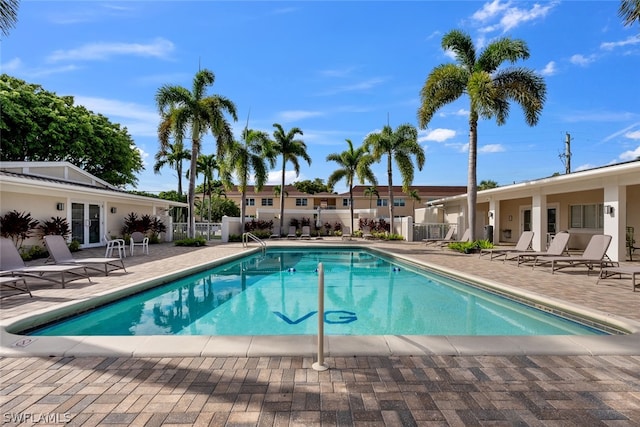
x=86, y=223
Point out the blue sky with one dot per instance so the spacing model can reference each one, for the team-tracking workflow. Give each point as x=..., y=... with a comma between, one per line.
x=340, y=70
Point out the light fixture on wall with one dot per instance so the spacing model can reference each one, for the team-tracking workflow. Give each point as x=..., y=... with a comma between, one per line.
x=114, y=210
x=510, y=217
x=60, y=206
x=491, y=214
x=608, y=209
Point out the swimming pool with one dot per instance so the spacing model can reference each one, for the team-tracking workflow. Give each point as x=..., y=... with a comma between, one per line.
x=275, y=293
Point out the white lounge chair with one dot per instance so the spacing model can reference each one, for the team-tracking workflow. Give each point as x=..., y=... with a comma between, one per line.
x=61, y=255
x=557, y=247
x=292, y=232
x=346, y=233
x=139, y=239
x=306, y=232
x=447, y=236
x=12, y=264
x=366, y=233
x=594, y=253
x=275, y=234
x=523, y=245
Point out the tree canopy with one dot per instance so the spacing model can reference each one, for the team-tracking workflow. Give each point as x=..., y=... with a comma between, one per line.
x=38, y=125
x=312, y=187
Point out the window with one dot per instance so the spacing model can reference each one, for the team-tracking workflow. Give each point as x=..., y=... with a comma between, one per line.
x=267, y=202
x=382, y=202
x=398, y=202
x=301, y=202
x=587, y=216
x=250, y=202
x=345, y=202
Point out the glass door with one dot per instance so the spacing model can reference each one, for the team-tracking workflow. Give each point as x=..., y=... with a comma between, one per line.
x=86, y=219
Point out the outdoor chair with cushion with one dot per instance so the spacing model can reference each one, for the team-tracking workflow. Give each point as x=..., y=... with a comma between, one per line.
x=594, y=253
x=12, y=264
x=557, y=247
x=523, y=245
x=139, y=239
x=61, y=255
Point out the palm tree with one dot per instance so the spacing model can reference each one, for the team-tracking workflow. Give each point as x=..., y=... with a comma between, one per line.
x=8, y=15
x=371, y=191
x=352, y=163
x=290, y=148
x=246, y=158
x=195, y=112
x=415, y=197
x=172, y=155
x=629, y=11
x=399, y=146
x=489, y=90
x=207, y=165
x=486, y=184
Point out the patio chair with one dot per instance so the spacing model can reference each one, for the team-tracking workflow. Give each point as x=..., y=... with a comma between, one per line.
x=12, y=283
x=366, y=233
x=118, y=245
x=292, y=232
x=612, y=271
x=523, y=245
x=465, y=238
x=346, y=233
x=447, y=236
x=276, y=232
x=557, y=247
x=139, y=239
x=61, y=255
x=12, y=264
x=306, y=232
x=594, y=253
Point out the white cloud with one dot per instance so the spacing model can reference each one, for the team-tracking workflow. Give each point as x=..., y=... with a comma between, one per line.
x=510, y=16
x=359, y=86
x=631, y=40
x=461, y=112
x=438, y=135
x=160, y=48
x=294, y=115
x=275, y=177
x=633, y=135
x=138, y=119
x=491, y=148
x=337, y=72
x=631, y=154
x=582, y=60
x=11, y=66
x=584, y=167
x=549, y=69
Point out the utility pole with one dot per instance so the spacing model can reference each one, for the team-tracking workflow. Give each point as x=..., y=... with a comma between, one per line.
x=566, y=156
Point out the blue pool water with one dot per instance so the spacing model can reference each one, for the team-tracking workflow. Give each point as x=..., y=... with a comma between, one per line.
x=276, y=293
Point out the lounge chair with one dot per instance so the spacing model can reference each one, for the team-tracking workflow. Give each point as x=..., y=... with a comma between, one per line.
x=557, y=247
x=594, y=253
x=523, y=245
x=12, y=283
x=465, y=238
x=447, y=236
x=366, y=233
x=118, y=245
x=276, y=232
x=292, y=232
x=139, y=239
x=61, y=255
x=346, y=233
x=630, y=270
x=12, y=264
x=306, y=232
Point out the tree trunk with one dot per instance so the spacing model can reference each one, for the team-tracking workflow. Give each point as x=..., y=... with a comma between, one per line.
x=351, y=205
x=284, y=164
x=390, y=178
x=472, y=185
x=195, y=152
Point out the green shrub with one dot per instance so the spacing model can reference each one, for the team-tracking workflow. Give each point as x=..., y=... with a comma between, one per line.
x=34, y=252
x=470, y=247
x=198, y=241
x=235, y=237
x=74, y=246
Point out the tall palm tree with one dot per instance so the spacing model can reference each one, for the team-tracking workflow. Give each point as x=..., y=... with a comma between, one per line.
x=415, y=197
x=172, y=155
x=353, y=163
x=249, y=157
x=207, y=165
x=489, y=89
x=399, y=145
x=195, y=112
x=371, y=191
x=286, y=145
x=629, y=11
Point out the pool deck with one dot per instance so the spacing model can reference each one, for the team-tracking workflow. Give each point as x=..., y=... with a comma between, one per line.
x=399, y=380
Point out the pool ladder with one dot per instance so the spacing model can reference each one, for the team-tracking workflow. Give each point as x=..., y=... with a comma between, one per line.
x=245, y=240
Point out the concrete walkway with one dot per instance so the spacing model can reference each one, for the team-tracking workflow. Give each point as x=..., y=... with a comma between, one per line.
x=482, y=388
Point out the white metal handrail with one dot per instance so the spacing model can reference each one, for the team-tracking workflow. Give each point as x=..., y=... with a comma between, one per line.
x=246, y=236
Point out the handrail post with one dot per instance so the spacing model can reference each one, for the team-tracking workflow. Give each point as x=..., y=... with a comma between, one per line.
x=320, y=365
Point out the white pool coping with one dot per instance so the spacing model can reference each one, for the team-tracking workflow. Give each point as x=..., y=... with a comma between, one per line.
x=14, y=345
